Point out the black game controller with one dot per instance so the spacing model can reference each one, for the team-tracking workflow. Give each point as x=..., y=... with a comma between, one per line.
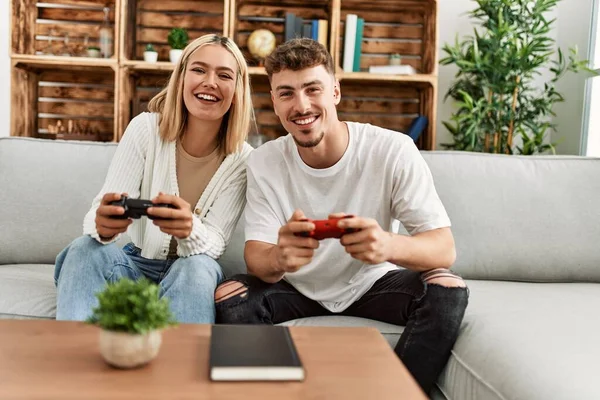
x=136, y=208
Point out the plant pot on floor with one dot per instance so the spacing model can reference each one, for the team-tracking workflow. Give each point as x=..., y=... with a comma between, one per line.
x=174, y=55
x=127, y=350
x=150, y=56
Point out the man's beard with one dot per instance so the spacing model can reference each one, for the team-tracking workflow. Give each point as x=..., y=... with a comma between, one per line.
x=311, y=143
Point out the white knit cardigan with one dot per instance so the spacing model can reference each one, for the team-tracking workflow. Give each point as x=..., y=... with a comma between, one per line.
x=144, y=165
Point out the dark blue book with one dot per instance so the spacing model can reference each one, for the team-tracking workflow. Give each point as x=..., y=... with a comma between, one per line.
x=290, y=26
x=417, y=127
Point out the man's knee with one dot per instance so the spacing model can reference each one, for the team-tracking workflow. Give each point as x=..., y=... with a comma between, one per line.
x=230, y=289
x=234, y=303
x=443, y=277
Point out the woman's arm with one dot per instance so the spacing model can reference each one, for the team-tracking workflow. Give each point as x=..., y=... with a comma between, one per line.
x=125, y=171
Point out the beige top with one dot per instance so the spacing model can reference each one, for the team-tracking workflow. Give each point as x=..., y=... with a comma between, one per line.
x=193, y=175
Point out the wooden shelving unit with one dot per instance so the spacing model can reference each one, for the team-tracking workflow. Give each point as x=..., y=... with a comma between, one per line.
x=104, y=94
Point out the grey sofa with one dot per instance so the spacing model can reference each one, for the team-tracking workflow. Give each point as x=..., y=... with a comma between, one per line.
x=528, y=238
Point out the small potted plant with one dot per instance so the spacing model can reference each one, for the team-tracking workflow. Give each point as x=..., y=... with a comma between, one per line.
x=150, y=54
x=93, y=52
x=131, y=317
x=178, y=39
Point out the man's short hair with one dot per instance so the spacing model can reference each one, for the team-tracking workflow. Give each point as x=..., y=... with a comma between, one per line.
x=297, y=54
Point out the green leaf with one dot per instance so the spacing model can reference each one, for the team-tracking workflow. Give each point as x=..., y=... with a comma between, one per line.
x=131, y=306
x=511, y=39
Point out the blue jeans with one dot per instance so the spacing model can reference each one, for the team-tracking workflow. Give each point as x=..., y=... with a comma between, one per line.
x=85, y=266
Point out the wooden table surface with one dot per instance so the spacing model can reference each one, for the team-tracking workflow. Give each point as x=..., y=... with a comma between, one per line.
x=61, y=360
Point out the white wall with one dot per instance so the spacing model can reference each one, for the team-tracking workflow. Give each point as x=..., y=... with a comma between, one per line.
x=4, y=69
x=572, y=28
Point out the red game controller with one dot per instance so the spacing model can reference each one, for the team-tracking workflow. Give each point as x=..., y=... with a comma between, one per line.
x=326, y=229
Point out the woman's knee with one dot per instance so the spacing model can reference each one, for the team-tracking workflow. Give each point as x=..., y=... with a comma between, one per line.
x=86, y=256
x=199, y=268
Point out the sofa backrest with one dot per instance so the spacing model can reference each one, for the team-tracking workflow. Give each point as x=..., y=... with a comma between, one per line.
x=523, y=218
x=513, y=218
x=46, y=187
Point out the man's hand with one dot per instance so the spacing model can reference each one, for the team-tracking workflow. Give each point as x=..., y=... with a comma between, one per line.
x=106, y=226
x=177, y=221
x=371, y=244
x=293, y=252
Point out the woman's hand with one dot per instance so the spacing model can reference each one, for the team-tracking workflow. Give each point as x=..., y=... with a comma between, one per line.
x=173, y=221
x=106, y=225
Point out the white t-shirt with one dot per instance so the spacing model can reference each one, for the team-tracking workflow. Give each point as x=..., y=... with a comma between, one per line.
x=381, y=175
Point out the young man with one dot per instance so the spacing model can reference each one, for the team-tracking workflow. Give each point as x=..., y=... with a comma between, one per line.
x=329, y=168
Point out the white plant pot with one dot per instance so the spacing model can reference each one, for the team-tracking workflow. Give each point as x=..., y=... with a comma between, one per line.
x=150, y=56
x=126, y=350
x=174, y=55
x=94, y=53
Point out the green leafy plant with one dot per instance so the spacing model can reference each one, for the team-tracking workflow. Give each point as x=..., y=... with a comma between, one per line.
x=178, y=38
x=150, y=47
x=497, y=97
x=132, y=307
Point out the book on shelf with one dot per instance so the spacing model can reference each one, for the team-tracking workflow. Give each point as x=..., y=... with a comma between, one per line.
x=392, y=69
x=360, y=25
x=290, y=26
x=322, y=32
x=253, y=353
x=417, y=127
x=349, y=42
x=296, y=27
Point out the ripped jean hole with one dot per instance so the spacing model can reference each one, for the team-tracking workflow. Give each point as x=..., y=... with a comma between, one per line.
x=230, y=290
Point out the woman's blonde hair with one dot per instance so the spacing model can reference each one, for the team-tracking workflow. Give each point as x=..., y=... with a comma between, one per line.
x=173, y=113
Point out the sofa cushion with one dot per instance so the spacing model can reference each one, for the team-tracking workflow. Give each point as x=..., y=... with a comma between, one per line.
x=390, y=332
x=522, y=218
x=526, y=341
x=27, y=291
x=47, y=187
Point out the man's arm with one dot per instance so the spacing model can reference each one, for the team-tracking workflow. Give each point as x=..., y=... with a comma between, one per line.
x=270, y=262
x=262, y=262
x=423, y=251
x=420, y=252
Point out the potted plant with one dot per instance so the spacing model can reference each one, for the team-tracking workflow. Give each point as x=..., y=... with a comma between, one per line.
x=93, y=52
x=178, y=39
x=502, y=108
x=150, y=54
x=131, y=316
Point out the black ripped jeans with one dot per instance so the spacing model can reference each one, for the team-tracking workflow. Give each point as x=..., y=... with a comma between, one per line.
x=431, y=313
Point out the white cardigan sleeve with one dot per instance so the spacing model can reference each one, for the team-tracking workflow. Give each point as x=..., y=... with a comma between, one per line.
x=211, y=235
x=125, y=171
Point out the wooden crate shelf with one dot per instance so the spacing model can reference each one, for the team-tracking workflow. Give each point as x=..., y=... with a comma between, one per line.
x=59, y=27
x=150, y=21
x=388, y=104
x=266, y=122
x=249, y=15
x=65, y=105
x=104, y=94
x=405, y=27
x=36, y=62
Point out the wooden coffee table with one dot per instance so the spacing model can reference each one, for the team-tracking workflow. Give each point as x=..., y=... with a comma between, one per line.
x=61, y=360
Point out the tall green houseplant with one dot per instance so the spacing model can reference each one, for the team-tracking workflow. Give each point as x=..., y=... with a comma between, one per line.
x=502, y=107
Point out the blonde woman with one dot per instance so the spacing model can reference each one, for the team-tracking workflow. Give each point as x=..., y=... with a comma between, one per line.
x=189, y=152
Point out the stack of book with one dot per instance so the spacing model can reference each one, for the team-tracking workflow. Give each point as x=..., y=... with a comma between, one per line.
x=353, y=38
x=296, y=27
